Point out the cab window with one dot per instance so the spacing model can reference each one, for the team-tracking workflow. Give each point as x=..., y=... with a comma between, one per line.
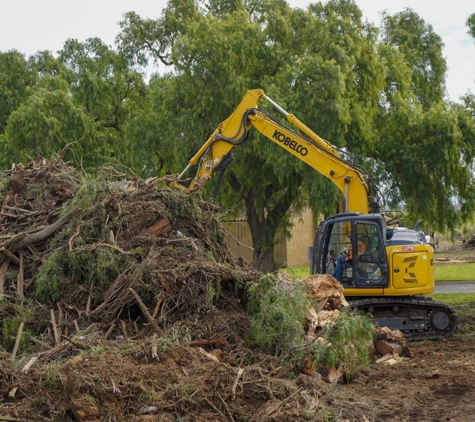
x=371, y=258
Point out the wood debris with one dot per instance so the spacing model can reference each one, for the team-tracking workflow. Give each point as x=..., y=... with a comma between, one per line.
x=326, y=290
x=141, y=311
x=391, y=342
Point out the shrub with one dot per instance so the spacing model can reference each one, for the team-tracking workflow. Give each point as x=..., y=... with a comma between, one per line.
x=276, y=313
x=348, y=342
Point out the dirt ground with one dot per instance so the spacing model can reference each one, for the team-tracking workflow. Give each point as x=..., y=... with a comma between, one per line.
x=124, y=382
x=435, y=384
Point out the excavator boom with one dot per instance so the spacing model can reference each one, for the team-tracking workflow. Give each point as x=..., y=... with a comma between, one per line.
x=310, y=148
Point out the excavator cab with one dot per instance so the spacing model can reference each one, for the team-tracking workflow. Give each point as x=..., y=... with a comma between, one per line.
x=359, y=239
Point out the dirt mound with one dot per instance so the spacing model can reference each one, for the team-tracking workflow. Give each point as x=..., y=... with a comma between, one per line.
x=104, y=265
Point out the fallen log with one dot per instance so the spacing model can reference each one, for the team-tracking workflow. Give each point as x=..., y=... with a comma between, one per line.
x=385, y=347
x=22, y=241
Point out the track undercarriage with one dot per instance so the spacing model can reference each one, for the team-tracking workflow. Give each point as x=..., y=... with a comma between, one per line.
x=418, y=317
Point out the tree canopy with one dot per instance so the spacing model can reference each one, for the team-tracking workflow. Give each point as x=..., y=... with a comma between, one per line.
x=423, y=158
x=86, y=95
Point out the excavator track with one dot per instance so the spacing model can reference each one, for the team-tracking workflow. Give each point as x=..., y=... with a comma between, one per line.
x=418, y=317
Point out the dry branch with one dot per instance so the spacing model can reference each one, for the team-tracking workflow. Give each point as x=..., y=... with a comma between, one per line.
x=236, y=381
x=107, y=245
x=226, y=407
x=154, y=346
x=109, y=331
x=43, y=234
x=144, y=309
x=41, y=343
x=17, y=340
x=20, y=279
x=221, y=414
x=73, y=237
x=277, y=406
x=30, y=363
x=157, y=307
x=10, y=255
x=57, y=338
x=237, y=241
x=205, y=342
x=76, y=343
x=3, y=270
x=118, y=294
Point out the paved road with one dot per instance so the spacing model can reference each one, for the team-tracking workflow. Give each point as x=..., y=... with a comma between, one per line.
x=454, y=287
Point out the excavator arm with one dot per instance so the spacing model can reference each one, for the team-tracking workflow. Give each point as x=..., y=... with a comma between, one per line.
x=215, y=154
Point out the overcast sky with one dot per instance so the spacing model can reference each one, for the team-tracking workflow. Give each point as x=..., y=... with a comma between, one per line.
x=33, y=25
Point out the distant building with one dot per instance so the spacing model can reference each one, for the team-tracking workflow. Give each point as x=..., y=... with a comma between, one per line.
x=288, y=253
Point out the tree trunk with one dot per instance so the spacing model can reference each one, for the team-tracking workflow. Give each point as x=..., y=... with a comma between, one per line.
x=264, y=261
x=265, y=217
x=264, y=223
x=263, y=256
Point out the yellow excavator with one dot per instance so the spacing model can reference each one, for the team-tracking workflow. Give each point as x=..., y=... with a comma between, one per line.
x=391, y=268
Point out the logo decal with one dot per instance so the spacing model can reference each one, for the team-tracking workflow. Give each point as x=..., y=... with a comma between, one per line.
x=293, y=145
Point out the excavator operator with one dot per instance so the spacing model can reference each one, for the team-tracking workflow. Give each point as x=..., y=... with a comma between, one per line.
x=347, y=256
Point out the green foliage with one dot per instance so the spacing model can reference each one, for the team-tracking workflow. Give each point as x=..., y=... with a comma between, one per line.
x=3, y=187
x=16, y=79
x=10, y=330
x=89, y=198
x=86, y=96
x=149, y=397
x=181, y=205
x=95, y=350
x=84, y=267
x=102, y=81
x=349, y=339
x=276, y=314
x=422, y=137
x=471, y=25
x=422, y=49
x=52, y=380
x=49, y=278
x=179, y=390
x=43, y=124
x=164, y=344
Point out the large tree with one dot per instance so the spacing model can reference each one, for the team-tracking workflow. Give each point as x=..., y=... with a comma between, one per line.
x=320, y=64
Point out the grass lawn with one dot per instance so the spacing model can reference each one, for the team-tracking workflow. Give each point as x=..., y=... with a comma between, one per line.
x=454, y=272
x=457, y=300
x=464, y=305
